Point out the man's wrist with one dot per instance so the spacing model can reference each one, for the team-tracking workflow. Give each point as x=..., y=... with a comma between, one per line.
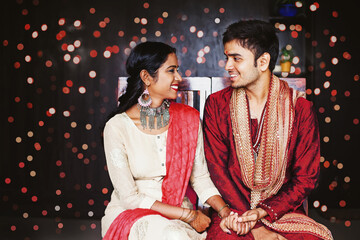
x=224, y=212
x=255, y=230
x=262, y=213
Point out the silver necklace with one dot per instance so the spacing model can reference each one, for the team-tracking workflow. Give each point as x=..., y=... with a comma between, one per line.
x=160, y=115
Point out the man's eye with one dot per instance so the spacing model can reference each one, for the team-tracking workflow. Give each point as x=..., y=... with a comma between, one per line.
x=172, y=70
x=237, y=59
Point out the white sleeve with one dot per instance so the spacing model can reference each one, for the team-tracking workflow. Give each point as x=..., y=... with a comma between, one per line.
x=200, y=176
x=121, y=177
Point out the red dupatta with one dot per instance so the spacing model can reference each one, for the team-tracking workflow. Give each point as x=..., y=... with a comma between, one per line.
x=180, y=153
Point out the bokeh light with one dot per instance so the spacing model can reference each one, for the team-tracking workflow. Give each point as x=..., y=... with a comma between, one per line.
x=65, y=67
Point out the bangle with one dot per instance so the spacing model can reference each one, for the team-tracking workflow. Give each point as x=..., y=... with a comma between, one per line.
x=226, y=205
x=187, y=215
x=182, y=213
x=193, y=218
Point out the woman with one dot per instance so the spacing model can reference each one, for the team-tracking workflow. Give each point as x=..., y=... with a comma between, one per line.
x=153, y=148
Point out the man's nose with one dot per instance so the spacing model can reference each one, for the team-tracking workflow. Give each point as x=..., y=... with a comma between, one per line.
x=229, y=65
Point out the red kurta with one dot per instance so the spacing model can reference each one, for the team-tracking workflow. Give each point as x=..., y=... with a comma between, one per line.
x=302, y=168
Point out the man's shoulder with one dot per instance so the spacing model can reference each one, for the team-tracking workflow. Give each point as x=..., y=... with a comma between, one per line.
x=303, y=104
x=223, y=94
x=304, y=110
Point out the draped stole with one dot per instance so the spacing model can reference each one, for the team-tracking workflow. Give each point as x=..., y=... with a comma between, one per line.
x=266, y=175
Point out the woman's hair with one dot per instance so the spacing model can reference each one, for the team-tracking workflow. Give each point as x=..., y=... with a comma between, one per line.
x=149, y=56
x=257, y=36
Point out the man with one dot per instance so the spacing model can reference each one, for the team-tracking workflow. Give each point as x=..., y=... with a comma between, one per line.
x=261, y=143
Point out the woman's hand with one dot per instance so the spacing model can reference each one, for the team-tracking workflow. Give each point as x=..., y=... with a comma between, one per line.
x=201, y=221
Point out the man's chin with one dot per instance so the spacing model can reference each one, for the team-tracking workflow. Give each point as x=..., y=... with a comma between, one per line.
x=236, y=85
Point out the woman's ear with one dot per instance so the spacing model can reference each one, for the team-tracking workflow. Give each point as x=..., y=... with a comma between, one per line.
x=263, y=61
x=145, y=77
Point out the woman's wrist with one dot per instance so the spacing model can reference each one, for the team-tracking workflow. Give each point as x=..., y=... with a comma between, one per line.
x=185, y=215
x=188, y=215
x=192, y=217
x=182, y=213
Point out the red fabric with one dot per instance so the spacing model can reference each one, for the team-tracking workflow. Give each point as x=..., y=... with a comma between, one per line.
x=303, y=160
x=214, y=232
x=253, y=128
x=191, y=195
x=180, y=153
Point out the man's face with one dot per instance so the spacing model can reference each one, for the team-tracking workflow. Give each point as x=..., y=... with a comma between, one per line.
x=240, y=65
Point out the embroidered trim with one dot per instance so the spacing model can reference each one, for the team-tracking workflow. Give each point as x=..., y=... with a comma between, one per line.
x=266, y=176
x=272, y=210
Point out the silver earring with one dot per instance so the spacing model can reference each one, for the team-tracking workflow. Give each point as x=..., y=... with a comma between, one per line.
x=145, y=100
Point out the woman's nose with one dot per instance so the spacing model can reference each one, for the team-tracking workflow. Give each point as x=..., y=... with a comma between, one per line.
x=178, y=77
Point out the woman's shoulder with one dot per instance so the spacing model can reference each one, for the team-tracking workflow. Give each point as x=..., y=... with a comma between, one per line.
x=183, y=108
x=117, y=121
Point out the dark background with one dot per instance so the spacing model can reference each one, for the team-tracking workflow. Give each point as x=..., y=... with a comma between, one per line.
x=53, y=176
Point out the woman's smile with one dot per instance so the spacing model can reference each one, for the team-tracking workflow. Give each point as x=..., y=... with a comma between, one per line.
x=175, y=86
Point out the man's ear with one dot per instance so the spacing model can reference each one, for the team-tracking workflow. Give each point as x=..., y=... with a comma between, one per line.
x=145, y=77
x=263, y=61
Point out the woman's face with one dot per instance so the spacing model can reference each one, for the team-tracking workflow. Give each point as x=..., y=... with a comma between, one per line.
x=166, y=83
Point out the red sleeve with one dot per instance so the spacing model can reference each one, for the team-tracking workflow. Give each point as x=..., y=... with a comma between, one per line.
x=216, y=153
x=304, y=166
x=217, y=149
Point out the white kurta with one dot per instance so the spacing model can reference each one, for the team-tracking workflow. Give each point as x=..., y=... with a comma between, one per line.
x=137, y=165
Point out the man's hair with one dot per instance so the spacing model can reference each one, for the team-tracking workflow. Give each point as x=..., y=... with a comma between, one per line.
x=257, y=36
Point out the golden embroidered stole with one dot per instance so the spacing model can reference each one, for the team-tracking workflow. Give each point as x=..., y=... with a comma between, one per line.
x=266, y=175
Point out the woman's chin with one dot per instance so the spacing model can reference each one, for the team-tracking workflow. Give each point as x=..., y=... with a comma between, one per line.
x=172, y=97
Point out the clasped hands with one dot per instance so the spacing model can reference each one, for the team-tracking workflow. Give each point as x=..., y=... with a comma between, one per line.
x=239, y=224
x=242, y=224
x=245, y=223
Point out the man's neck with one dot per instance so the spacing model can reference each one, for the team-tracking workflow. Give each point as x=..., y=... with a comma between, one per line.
x=257, y=94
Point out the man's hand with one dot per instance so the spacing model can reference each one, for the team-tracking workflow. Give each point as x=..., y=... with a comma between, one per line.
x=231, y=222
x=262, y=233
x=252, y=216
